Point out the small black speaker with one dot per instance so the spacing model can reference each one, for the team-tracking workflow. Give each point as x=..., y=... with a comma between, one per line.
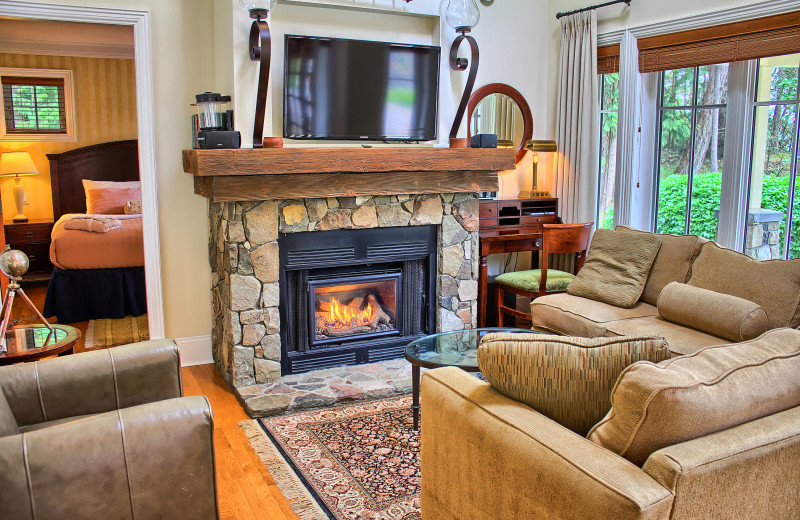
x=216, y=139
x=483, y=141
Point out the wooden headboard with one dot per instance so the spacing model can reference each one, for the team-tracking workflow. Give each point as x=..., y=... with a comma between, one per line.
x=115, y=161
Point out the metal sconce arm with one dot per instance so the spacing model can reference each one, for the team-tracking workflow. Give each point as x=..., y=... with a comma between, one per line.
x=457, y=63
x=260, y=50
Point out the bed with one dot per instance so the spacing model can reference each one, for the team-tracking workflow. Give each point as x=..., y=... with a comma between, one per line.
x=108, y=282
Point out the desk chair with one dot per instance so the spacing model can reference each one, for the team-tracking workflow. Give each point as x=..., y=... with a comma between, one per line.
x=556, y=238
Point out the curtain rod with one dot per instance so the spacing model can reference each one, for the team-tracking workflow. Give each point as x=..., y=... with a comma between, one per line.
x=561, y=15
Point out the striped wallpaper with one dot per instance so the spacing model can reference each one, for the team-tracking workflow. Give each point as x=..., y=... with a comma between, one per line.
x=105, y=110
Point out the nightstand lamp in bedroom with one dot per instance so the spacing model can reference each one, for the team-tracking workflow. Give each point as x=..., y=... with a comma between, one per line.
x=16, y=164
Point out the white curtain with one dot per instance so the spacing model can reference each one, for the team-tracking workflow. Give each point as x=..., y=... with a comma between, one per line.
x=577, y=129
x=628, y=123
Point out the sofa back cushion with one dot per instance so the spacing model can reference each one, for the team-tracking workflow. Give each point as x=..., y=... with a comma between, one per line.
x=717, y=387
x=720, y=314
x=772, y=284
x=672, y=264
x=8, y=424
x=568, y=379
x=616, y=267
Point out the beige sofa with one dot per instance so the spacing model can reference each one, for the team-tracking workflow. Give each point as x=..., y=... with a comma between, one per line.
x=736, y=410
x=773, y=285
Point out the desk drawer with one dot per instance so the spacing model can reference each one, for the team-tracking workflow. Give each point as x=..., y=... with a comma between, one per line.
x=532, y=220
x=488, y=209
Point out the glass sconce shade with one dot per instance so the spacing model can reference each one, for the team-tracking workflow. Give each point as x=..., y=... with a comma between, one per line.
x=258, y=8
x=462, y=14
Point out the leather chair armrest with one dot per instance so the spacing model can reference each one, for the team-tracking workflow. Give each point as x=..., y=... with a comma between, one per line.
x=748, y=471
x=484, y=455
x=92, y=382
x=150, y=461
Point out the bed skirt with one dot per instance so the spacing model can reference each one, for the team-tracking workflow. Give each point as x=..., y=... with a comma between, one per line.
x=89, y=294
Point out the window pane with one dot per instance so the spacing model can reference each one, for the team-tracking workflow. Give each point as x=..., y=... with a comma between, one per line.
x=610, y=91
x=608, y=150
x=707, y=178
x=678, y=87
x=777, y=78
x=673, y=168
x=770, y=178
x=712, y=84
x=794, y=239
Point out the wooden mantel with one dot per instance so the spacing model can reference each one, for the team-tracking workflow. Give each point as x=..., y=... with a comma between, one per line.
x=291, y=173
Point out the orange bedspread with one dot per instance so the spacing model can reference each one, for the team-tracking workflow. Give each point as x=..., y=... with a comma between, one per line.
x=73, y=249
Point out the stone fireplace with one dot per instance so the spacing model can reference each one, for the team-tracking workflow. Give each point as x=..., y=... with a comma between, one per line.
x=253, y=309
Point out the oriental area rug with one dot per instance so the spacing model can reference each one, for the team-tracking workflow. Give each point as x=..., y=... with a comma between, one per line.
x=358, y=461
x=107, y=332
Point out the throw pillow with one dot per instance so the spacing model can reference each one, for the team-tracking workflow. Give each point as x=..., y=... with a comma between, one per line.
x=717, y=387
x=105, y=201
x=772, y=284
x=716, y=313
x=616, y=267
x=672, y=263
x=568, y=379
x=133, y=207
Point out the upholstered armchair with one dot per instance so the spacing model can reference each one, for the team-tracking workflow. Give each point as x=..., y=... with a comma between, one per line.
x=105, y=434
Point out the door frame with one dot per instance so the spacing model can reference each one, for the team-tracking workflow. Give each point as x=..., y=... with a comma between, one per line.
x=140, y=22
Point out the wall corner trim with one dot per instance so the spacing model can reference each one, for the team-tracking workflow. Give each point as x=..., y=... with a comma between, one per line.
x=195, y=350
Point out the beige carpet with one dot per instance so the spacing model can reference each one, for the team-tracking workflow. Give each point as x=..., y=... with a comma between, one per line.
x=107, y=333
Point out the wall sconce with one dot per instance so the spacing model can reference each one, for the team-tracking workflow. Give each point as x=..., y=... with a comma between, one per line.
x=535, y=147
x=261, y=51
x=462, y=15
x=15, y=164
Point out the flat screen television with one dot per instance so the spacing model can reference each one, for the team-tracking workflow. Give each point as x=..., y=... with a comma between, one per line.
x=359, y=90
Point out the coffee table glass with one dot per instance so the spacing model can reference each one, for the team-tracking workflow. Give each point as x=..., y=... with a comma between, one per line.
x=32, y=342
x=458, y=348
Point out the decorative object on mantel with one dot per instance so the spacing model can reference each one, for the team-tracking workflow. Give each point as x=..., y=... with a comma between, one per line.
x=462, y=15
x=289, y=173
x=212, y=128
x=272, y=142
x=15, y=164
x=537, y=146
x=592, y=7
x=260, y=51
x=14, y=263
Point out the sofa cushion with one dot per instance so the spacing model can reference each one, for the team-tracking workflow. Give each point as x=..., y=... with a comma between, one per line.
x=567, y=379
x=672, y=263
x=681, y=339
x=722, y=315
x=772, y=284
x=616, y=267
x=576, y=316
x=658, y=405
x=8, y=424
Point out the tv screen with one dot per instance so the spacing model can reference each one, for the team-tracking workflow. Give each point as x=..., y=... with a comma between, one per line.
x=364, y=90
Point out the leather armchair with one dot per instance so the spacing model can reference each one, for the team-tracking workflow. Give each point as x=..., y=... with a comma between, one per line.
x=105, y=434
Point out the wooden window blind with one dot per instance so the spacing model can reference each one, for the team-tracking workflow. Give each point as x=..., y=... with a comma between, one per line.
x=34, y=105
x=608, y=59
x=751, y=39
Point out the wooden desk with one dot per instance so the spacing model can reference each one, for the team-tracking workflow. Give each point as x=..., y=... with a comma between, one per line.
x=510, y=226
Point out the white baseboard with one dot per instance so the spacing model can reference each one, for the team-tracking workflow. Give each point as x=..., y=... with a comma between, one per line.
x=195, y=350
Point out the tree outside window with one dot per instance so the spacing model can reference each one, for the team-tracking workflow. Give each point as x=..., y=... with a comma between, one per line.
x=609, y=106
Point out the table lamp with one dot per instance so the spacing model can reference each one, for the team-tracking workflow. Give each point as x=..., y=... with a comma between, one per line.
x=15, y=164
x=537, y=146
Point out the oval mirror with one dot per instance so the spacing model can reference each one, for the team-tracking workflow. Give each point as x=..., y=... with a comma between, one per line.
x=500, y=109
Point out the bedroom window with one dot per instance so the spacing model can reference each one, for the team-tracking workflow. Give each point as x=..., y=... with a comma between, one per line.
x=37, y=105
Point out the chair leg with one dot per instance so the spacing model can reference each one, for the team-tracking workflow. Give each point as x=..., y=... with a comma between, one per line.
x=499, y=300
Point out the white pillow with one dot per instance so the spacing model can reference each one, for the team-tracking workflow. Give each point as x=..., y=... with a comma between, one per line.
x=118, y=185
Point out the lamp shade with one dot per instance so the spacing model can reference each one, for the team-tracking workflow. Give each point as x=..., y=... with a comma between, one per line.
x=17, y=163
x=541, y=146
x=462, y=15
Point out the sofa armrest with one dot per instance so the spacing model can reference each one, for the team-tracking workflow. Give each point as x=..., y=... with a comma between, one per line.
x=150, y=461
x=484, y=455
x=92, y=382
x=748, y=471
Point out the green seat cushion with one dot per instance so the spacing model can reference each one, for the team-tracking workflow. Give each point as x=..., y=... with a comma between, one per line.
x=557, y=281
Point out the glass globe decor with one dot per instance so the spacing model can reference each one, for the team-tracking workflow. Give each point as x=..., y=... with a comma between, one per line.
x=462, y=15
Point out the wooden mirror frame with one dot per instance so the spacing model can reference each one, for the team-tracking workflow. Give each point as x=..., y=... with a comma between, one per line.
x=508, y=90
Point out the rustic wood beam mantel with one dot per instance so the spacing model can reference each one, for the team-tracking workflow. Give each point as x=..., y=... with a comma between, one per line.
x=286, y=173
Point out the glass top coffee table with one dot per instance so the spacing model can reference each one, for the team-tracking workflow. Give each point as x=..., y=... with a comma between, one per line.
x=32, y=342
x=458, y=348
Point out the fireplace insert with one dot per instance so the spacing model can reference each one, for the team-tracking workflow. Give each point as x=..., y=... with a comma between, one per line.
x=354, y=296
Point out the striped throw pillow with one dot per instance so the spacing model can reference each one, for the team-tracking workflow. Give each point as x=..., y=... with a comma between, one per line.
x=567, y=379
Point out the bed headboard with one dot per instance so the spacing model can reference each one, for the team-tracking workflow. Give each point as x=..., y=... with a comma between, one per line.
x=115, y=161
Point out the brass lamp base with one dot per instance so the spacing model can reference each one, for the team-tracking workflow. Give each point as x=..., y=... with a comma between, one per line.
x=533, y=194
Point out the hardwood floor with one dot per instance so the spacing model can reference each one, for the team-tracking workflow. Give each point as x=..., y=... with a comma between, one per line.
x=244, y=486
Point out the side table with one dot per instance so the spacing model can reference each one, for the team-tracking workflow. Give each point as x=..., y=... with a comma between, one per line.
x=32, y=342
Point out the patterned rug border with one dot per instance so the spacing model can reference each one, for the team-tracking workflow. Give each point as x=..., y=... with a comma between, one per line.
x=92, y=333
x=303, y=501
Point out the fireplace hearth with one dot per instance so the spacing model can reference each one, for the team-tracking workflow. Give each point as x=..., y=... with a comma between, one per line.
x=354, y=296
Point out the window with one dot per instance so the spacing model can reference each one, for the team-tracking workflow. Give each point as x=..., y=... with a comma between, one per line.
x=37, y=105
x=609, y=99
x=773, y=173
x=691, y=119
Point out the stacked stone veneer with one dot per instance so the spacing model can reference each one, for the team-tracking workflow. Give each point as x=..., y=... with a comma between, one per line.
x=243, y=252
x=763, y=239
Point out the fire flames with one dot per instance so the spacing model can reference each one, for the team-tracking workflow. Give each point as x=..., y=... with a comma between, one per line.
x=343, y=316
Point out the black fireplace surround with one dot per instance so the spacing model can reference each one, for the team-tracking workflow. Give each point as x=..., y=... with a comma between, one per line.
x=399, y=262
